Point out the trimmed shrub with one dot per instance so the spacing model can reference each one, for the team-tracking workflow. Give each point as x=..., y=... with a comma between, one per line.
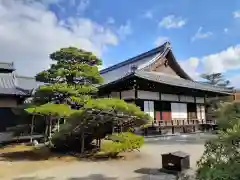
x=110, y=148
x=129, y=140
x=120, y=142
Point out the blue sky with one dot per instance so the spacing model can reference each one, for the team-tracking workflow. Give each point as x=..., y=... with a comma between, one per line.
x=204, y=34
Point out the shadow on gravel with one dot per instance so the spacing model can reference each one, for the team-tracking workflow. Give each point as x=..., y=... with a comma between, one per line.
x=34, y=178
x=154, y=173
x=90, y=177
x=94, y=177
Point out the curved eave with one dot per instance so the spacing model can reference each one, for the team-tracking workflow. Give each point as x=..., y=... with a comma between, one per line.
x=185, y=83
x=157, y=79
x=179, y=67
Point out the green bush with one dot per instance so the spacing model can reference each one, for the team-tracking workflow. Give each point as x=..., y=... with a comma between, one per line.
x=228, y=115
x=221, y=158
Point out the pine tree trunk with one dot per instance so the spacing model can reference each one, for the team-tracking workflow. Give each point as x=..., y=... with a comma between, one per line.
x=82, y=141
x=58, y=125
x=99, y=143
x=50, y=128
x=32, y=126
x=46, y=130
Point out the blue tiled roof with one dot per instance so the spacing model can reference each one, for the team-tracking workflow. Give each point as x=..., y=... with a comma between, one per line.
x=117, y=71
x=140, y=57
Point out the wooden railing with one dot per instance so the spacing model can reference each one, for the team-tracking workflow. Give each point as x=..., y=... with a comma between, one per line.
x=181, y=122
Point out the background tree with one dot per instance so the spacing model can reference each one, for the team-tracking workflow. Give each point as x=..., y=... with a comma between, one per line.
x=213, y=104
x=216, y=79
x=228, y=115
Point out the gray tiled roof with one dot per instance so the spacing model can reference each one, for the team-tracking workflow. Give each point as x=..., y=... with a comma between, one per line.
x=27, y=83
x=8, y=85
x=12, y=91
x=8, y=66
x=171, y=80
x=7, y=80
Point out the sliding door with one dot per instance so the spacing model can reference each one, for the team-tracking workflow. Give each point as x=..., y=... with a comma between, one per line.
x=149, y=108
x=179, y=110
x=201, y=115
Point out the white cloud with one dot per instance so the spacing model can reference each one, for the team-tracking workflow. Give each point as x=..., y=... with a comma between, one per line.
x=236, y=14
x=190, y=66
x=148, y=15
x=29, y=32
x=172, y=21
x=223, y=61
x=226, y=30
x=160, y=40
x=110, y=20
x=235, y=81
x=125, y=29
x=201, y=35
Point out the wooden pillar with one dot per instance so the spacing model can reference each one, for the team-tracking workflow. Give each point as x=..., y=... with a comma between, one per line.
x=135, y=88
x=172, y=128
x=194, y=128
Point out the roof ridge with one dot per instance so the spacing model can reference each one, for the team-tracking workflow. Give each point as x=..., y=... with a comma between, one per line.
x=21, y=76
x=1, y=62
x=135, y=58
x=164, y=74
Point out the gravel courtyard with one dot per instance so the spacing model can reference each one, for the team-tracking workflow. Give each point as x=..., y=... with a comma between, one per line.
x=143, y=166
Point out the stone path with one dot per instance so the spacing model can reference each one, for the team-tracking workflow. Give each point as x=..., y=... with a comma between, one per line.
x=145, y=167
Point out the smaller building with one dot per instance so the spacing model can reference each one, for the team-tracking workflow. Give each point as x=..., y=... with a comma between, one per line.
x=14, y=89
x=237, y=95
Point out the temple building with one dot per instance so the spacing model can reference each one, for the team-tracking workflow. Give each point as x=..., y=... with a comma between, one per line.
x=160, y=87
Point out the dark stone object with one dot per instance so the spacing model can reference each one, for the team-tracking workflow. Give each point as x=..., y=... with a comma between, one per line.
x=176, y=161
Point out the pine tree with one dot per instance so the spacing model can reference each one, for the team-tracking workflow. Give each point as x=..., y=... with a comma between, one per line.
x=72, y=79
x=70, y=92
